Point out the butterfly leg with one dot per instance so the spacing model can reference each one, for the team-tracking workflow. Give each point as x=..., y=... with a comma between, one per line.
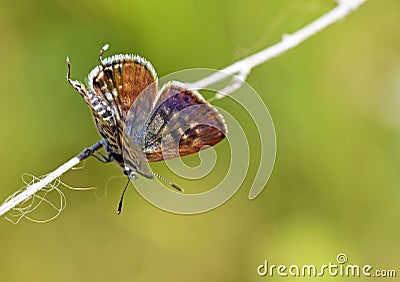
x=102, y=158
x=76, y=84
x=90, y=151
x=93, y=151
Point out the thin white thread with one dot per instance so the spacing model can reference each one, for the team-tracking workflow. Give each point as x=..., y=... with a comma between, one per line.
x=26, y=208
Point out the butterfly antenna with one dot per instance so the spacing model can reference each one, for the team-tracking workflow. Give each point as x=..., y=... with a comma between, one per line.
x=167, y=181
x=105, y=47
x=122, y=197
x=69, y=69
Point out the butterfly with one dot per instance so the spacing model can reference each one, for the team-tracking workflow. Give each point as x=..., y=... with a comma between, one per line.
x=140, y=123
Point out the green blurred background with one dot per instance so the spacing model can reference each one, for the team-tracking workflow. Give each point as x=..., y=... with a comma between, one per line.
x=334, y=100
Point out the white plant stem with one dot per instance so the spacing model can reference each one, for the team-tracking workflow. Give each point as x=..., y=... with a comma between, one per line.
x=241, y=68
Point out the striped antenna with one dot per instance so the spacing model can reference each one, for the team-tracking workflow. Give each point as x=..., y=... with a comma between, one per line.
x=122, y=197
x=167, y=181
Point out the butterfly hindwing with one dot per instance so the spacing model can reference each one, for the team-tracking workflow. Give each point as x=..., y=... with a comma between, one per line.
x=181, y=123
x=134, y=158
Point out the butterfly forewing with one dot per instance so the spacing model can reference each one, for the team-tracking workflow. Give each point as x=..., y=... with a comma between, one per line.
x=118, y=83
x=121, y=79
x=138, y=116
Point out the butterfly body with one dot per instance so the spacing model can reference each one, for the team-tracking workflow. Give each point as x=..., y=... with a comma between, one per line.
x=140, y=123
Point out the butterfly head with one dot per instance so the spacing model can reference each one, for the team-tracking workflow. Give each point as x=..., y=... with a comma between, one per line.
x=131, y=173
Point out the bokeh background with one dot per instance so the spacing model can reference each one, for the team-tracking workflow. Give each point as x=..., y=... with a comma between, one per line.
x=334, y=100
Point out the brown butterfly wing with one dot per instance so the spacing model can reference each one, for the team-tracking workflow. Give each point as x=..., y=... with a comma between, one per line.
x=118, y=82
x=121, y=79
x=182, y=123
